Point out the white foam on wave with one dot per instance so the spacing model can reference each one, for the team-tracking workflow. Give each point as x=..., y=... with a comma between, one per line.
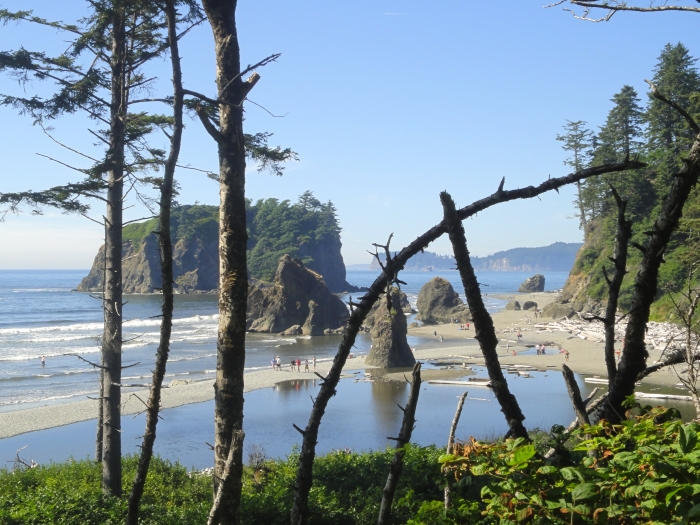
x=97, y=327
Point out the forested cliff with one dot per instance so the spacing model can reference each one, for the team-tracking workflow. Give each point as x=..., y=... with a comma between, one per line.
x=307, y=229
x=660, y=137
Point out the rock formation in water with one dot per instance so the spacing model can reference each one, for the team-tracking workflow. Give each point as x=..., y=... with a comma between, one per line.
x=403, y=304
x=438, y=303
x=195, y=267
x=533, y=284
x=298, y=299
x=389, y=345
x=276, y=228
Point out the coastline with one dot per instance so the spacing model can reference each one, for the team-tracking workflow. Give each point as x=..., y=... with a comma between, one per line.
x=586, y=357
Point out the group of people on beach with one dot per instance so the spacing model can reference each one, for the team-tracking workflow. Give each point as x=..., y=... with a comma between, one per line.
x=464, y=326
x=295, y=364
x=540, y=349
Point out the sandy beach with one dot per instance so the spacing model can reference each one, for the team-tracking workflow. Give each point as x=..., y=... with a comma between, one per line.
x=586, y=357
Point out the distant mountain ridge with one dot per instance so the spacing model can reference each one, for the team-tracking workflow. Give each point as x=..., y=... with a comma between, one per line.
x=557, y=257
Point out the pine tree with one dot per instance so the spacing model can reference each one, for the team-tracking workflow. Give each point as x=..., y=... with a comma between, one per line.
x=668, y=134
x=578, y=140
x=622, y=135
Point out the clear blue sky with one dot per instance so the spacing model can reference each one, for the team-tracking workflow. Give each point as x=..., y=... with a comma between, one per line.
x=387, y=103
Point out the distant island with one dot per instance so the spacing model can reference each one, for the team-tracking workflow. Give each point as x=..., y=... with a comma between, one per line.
x=557, y=257
x=307, y=230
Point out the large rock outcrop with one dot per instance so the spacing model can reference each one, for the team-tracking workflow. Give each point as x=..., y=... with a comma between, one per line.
x=195, y=267
x=404, y=305
x=298, y=296
x=389, y=345
x=439, y=303
x=533, y=284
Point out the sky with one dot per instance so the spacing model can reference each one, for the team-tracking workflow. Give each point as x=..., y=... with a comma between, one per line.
x=387, y=103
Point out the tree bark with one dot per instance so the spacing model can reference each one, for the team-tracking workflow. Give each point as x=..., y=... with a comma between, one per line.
x=575, y=395
x=485, y=332
x=624, y=233
x=409, y=419
x=233, y=273
x=100, y=412
x=235, y=455
x=304, y=480
x=166, y=266
x=634, y=354
x=112, y=337
x=451, y=442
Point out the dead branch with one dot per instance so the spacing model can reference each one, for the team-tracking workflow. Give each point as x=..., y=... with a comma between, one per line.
x=659, y=96
x=409, y=419
x=451, y=441
x=575, y=395
x=483, y=323
x=304, y=479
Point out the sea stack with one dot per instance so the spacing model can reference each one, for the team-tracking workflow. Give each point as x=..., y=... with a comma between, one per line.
x=298, y=297
x=389, y=345
x=533, y=284
x=439, y=303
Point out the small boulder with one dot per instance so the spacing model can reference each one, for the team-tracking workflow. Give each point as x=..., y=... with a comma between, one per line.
x=533, y=284
x=292, y=330
x=529, y=305
x=513, y=305
x=439, y=303
x=389, y=345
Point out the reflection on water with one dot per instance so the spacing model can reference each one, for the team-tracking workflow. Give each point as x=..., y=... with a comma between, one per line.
x=360, y=416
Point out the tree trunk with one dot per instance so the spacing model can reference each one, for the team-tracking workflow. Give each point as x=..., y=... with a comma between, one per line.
x=450, y=445
x=575, y=395
x=166, y=265
x=624, y=233
x=112, y=338
x=634, y=354
x=100, y=411
x=233, y=273
x=396, y=466
x=483, y=324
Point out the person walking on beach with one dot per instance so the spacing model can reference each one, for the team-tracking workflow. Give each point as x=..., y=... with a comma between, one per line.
x=306, y=365
x=314, y=363
x=279, y=364
x=294, y=362
x=43, y=361
x=566, y=355
x=441, y=338
x=273, y=362
x=298, y=365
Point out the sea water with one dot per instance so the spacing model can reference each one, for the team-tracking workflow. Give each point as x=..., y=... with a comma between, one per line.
x=41, y=315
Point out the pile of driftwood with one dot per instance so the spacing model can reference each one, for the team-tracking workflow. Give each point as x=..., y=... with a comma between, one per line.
x=661, y=336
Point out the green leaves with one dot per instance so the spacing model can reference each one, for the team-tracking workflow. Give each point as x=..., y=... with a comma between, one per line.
x=687, y=439
x=522, y=455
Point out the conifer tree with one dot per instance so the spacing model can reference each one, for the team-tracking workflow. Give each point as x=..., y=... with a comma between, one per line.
x=621, y=136
x=668, y=134
x=578, y=140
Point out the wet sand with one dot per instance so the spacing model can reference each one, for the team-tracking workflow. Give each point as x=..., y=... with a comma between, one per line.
x=459, y=346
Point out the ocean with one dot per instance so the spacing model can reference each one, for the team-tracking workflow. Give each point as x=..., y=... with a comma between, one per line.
x=41, y=315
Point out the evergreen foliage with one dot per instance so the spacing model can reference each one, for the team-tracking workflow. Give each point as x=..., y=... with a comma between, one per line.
x=274, y=228
x=660, y=137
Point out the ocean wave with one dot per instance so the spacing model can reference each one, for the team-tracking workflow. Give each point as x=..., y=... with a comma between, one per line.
x=65, y=352
x=98, y=326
